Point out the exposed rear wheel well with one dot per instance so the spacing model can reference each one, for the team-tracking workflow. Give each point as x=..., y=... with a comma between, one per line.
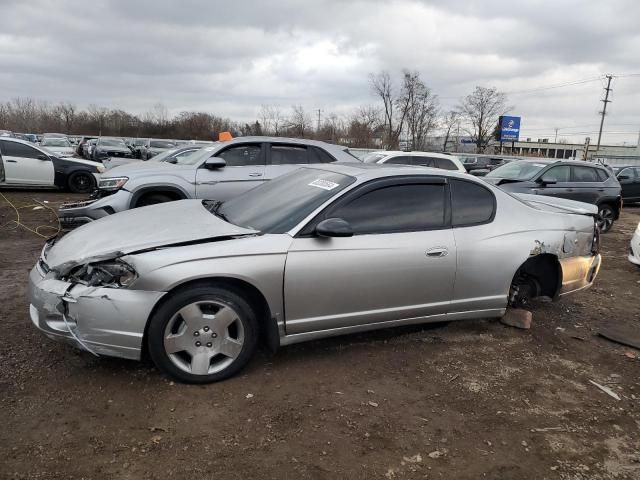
x=539, y=276
x=268, y=329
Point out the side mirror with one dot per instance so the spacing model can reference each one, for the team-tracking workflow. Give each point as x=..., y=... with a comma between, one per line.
x=42, y=156
x=624, y=177
x=546, y=180
x=334, y=227
x=214, y=163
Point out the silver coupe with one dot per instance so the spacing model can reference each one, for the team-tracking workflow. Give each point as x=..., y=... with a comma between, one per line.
x=321, y=251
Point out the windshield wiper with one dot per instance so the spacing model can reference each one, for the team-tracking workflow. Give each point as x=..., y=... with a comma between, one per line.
x=214, y=207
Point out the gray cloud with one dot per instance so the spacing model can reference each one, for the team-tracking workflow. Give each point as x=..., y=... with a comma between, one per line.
x=231, y=57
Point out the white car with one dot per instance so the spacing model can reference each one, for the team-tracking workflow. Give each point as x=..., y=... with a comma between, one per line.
x=23, y=164
x=634, y=248
x=60, y=146
x=425, y=159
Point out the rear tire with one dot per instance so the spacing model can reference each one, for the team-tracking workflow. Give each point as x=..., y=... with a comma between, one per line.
x=606, y=216
x=203, y=334
x=81, y=182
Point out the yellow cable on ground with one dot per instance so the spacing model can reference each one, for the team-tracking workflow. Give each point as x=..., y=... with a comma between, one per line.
x=18, y=223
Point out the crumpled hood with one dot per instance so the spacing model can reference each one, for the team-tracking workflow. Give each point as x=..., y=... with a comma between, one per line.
x=556, y=204
x=139, y=229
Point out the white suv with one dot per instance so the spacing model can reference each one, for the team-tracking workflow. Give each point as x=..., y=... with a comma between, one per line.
x=425, y=159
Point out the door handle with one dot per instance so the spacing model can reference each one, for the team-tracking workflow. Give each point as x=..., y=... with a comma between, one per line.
x=255, y=174
x=437, y=252
x=12, y=161
x=569, y=190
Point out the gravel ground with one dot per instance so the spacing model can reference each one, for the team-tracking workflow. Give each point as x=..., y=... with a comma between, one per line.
x=472, y=399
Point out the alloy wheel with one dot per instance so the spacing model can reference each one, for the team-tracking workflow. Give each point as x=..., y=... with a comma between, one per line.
x=204, y=337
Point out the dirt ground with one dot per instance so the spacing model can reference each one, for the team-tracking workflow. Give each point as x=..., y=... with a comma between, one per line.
x=467, y=400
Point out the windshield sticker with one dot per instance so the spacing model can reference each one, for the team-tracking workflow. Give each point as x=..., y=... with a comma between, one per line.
x=323, y=184
x=539, y=165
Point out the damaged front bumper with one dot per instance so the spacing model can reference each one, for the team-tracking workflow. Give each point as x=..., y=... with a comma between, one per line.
x=101, y=320
x=74, y=214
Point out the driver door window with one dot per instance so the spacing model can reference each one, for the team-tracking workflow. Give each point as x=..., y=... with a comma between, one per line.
x=242, y=155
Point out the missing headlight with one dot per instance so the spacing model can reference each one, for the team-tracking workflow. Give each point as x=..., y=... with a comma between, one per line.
x=114, y=273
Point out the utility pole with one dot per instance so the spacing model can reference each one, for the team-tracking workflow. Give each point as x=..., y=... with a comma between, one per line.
x=556, y=138
x=319, y=112
x=604, y=109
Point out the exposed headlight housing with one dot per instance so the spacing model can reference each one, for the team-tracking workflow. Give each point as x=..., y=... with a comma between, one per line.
x=112, y=183
x=112, y=273
x=101, y=168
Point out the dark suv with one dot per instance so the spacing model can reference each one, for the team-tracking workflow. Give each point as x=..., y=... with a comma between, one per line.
x=575, y=180
x=629, y=178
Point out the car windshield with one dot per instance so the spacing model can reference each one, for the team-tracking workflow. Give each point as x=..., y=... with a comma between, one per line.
x=161, y=144
x=469, y=160
x=279, y=205
x=55, y=142
x=162, y=157
x=373, y=157
x=517, y=170
x=112, y=142
x=197, y=156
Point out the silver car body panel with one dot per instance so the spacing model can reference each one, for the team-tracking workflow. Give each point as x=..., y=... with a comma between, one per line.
x=315, y=287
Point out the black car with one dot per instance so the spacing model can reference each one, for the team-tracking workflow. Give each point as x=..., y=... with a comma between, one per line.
x=572, y=179
x=480, y=165
x=110, y=147
x=629, y=178
x=153, y=147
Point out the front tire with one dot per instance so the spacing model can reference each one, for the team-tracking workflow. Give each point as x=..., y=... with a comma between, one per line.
x=204, y=334
x=606, y=216
x=81, y=182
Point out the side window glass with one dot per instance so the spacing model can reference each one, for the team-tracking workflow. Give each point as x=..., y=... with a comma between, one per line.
x=15, y=149
x=444, y=164
x=241, y=155
x=584, y=174
x=400, y=160
x=422, y=161
x=470, y=203
x=603, y=175
x=318, y=155
x=560, y=173
x=637, y=174
x=288, y=155
x=398, y=208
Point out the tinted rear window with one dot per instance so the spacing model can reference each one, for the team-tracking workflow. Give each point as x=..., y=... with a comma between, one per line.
x=470, y=203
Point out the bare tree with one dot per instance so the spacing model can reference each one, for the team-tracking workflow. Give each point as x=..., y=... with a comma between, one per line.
x=481, y=110
x=365, y=127
x=271, y=119
x=450, y=121
x=67, y=113
x=394, y=107
x=299, y=122
x=421, y=109
x=97, y=116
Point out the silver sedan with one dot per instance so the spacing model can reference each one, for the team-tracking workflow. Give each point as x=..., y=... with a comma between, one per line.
x=319, y=252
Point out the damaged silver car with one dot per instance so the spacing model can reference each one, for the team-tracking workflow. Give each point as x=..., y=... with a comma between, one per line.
x=324, y=251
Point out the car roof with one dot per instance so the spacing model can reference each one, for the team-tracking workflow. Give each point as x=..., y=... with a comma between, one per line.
x=17, y=140
x=558, y=161
x=370, y=171
x=299, y=141
x=414, y=153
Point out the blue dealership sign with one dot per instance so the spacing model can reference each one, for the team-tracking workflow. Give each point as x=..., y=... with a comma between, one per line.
x=509, y=128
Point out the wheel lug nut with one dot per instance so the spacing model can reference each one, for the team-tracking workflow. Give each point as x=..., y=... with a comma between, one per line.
x=213, y=335
x=196, y=334
x=206, y=329
x=209, y=344
x=198, y=344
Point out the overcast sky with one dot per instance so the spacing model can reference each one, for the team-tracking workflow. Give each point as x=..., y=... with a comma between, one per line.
x=230, y=57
